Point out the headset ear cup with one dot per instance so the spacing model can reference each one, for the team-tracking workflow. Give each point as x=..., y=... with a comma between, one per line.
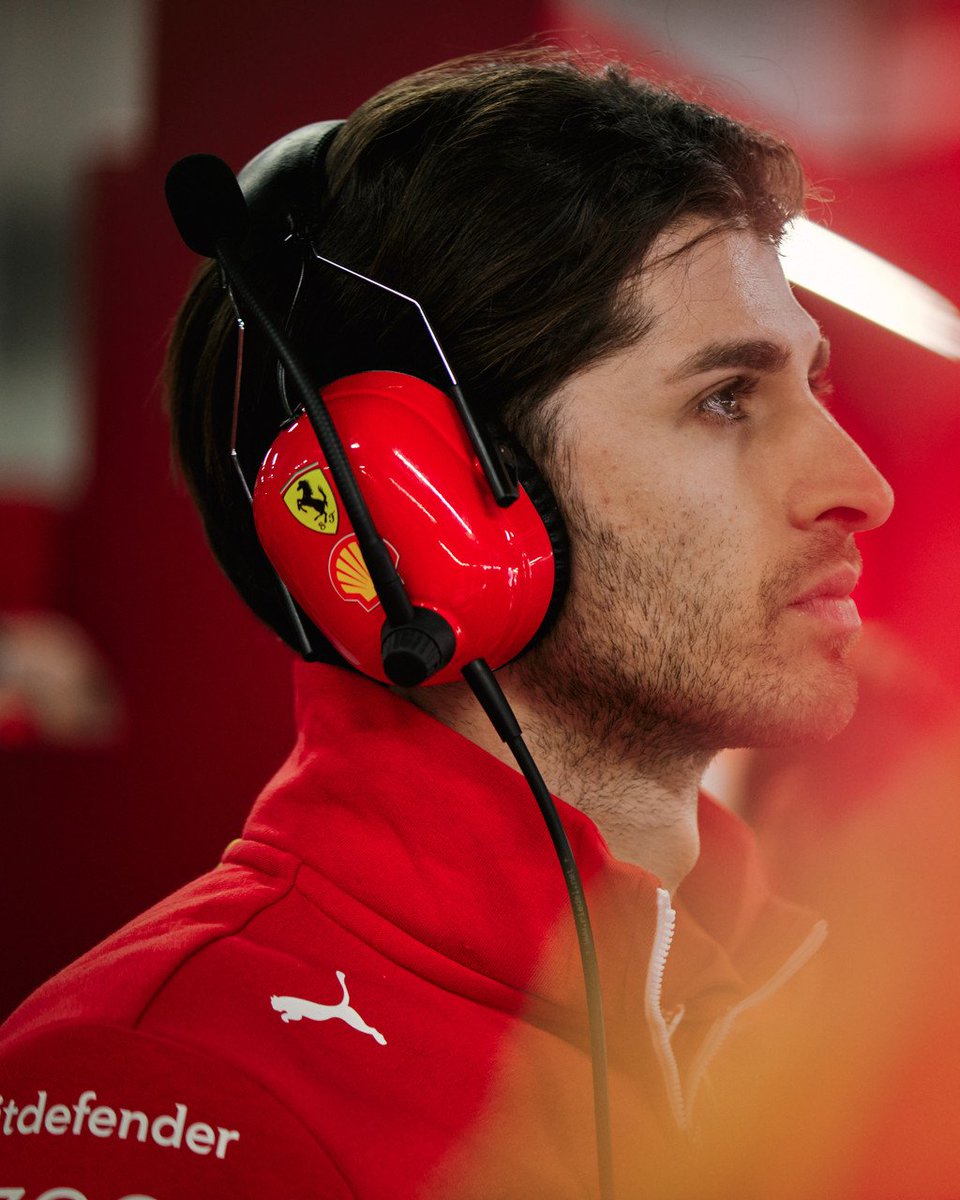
x=544, y=501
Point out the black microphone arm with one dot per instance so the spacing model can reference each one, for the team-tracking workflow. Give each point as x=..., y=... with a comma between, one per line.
x=210, y=212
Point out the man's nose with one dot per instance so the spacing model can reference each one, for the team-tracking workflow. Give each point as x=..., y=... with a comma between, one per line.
x=838, y=482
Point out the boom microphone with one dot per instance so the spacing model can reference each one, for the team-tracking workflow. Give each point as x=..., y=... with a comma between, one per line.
x=210, y=212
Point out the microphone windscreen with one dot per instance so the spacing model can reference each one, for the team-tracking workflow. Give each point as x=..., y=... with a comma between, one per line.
x=206, y=203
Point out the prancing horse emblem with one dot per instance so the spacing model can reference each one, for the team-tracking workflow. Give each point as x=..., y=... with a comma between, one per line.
x=307, y=499
x=292, y=1008
x=310, y=498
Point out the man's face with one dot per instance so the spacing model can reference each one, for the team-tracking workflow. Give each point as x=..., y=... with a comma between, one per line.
x=712, y=503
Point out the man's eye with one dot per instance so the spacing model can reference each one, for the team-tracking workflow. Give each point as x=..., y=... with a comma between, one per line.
x=725, y=404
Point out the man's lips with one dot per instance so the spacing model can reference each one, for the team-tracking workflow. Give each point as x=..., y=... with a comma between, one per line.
x=829, y=597
x=837, y=584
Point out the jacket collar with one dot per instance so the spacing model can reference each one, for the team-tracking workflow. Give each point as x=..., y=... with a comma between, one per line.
x=391, y=811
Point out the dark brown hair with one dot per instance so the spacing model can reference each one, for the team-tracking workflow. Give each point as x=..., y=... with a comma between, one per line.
x=512, y=195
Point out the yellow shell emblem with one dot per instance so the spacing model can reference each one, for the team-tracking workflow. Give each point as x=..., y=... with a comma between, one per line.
x=311, y=500
x=349, y=575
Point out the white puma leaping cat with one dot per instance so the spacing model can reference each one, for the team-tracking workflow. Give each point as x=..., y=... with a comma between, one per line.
x=292, y=1008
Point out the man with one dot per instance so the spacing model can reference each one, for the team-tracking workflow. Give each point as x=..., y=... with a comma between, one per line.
x=378, y=993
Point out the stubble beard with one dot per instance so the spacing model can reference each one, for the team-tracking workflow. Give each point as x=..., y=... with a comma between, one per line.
x=652, y=660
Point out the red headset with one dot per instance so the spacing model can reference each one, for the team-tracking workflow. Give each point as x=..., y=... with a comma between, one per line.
x=494, y=571
x=488, y=571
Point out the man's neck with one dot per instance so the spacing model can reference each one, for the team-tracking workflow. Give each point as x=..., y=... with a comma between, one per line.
x=640, y=790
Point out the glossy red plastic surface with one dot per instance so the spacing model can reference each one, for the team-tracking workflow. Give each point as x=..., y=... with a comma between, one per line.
x=489, y=571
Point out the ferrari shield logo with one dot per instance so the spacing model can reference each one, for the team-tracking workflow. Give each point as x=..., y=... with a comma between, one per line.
x=349, y=575
x=310, y=498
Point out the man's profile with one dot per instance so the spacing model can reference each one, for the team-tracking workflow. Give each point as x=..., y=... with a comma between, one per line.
x=598, y=258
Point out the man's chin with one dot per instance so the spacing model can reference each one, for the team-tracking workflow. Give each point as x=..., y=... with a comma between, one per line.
x=811, y=715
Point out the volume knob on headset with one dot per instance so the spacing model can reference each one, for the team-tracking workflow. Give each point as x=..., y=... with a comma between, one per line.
x=414, y=652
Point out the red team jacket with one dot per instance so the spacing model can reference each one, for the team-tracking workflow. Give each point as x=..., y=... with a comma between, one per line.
x=377, y=994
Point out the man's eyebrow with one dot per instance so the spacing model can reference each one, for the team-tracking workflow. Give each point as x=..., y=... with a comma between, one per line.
x=752, y=354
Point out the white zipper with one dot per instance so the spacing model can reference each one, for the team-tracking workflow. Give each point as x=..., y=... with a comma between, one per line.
x=662, y=939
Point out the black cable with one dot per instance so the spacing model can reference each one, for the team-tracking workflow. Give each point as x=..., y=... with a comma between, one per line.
x=488, y=692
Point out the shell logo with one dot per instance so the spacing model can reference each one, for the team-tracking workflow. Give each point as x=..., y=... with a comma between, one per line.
x=349, y=575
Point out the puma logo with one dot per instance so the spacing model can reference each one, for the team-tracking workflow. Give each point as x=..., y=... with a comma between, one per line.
x=292, y=1008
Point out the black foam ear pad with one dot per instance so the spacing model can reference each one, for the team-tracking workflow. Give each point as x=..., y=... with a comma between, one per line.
x=544, y=501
